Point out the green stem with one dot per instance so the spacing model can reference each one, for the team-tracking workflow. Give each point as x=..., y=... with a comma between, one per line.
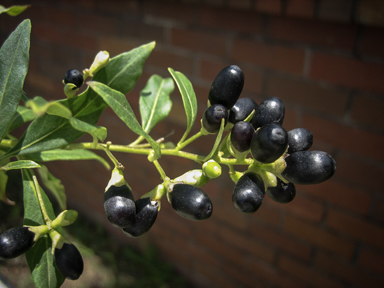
x=110, y=155
x=137, y=141
x=47, y=220
x=7, y=143
x=161, y=170
x=181, y=145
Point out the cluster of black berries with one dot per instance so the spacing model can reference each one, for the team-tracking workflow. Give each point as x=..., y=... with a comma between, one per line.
x=17, y=241
x=262, y=135
x=134, y=217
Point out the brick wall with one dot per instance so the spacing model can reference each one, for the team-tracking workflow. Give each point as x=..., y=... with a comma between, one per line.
x=324, y=59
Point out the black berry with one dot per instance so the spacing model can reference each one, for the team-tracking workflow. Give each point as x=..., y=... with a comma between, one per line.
x=248, y=194
x=15, y=241
x=269, y=143
x=241, y=110
x=269, y=111
x=191, y=202
x=69, y=261
x=299, y=139
x=241, y=136
x=227, y=86
x=119, y=206
x=75, y=77
x=282, y=193
x=146, y=214
x=309, y=167
x=212, y=117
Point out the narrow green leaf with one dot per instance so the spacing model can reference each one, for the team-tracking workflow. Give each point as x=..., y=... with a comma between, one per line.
x=61, y=154
x=189, y=99
x=22, y=115
x=39, y=257
x=119, y=104
x=3, y=184
x=13, y=10
x=54, y=185
x=20, y=164
x=41, y=106
x=51, y=132
x=96, y=131
x=155, y=103
x=14, y=58
x=217, y=141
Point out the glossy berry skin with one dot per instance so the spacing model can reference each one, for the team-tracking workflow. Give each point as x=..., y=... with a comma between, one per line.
x=212, y=118
x=299, y=139
x=269, y=143
x=75, y=77
x=227, y=86
x=15, y=241
x=241, y=110
x=146, y=214
x=119, y=206
x=248, y=194
x=282, y=193
x=191, y=202
x=271, y=110
x=69, y=261
x=309, y=167
x=241, y=136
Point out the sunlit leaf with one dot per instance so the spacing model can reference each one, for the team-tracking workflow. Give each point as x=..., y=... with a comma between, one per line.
x=22, y=115
x=96, y=131
x=20, y=164
x=41, y=106
x=155, y=103
x=119, y=104
x=189, y=99
x=13, y=10
x=14, y=58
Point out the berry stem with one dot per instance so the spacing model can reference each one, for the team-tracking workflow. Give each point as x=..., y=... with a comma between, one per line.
x=47, y=220
x=181, y=145
x=161, y=170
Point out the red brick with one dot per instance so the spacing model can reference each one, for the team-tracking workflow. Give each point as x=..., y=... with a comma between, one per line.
x=280, y=58
x=241, y=276
x=308, y=94
x=97, y=24
x=303, y=207
x=268, y=214
x=356, y=171
x=369, y=13
x=240, y=4
x=172, y=11
x=377, y=210
x=301, y=8
x=231, y=216
x=130, y=7
x=165, y=58
x=372, y=260
x=247, y=244
x=199, y=41
x=63, y=19
x=368, y=110
x=272, y=274
x=342, y=195
x=345, y=137
x=313, y=32
x=216, y=277
x=116, y=46
x=283, y=241
x=356, y=227
x=268, y=6
x=291, y=119
x=347, y=72
x=346, y=271
x=372, y=41
x=233, y=20
x=305, y=273
x=318, y=237
x=335, y=10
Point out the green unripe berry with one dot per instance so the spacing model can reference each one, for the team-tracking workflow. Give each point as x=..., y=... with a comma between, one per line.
x=212, y=169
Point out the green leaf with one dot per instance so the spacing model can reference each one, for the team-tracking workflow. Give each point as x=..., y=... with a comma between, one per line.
x=51, y=132
x=3, y=184
x=155, y=103
x=54, y=185
x=119, y=104
x=60, y=154
x=20, y=164
x=41, y=106
x=189, y=99
x=217, y=141
x=14, y=58
x=39, y=258
x=13, y=10
x=96, y=131
x=22, y=115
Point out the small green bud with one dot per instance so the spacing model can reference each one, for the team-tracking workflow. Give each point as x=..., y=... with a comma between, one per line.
x=235, y=176
x=212, y=169
x=101, y=60
x=65, y=218
x=195, y=178
x=117, y=179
